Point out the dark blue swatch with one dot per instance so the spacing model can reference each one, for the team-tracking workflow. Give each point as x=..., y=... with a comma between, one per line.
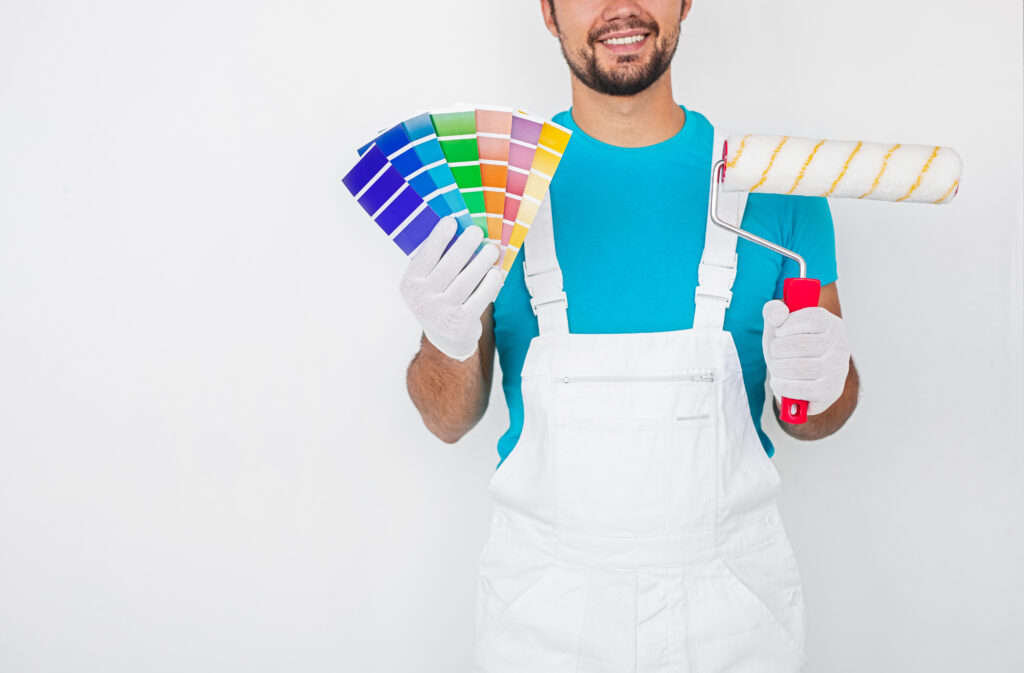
x=380, y=191
x=398, y=210
x=416, y=231
x=368, y=166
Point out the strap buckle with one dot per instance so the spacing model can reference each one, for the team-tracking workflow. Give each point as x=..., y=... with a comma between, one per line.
x=545, y=288
x=534, y=302
x=725, y=296
x=716, y=280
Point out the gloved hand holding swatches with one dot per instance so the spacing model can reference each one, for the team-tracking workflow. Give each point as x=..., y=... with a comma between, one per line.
x=446, y=294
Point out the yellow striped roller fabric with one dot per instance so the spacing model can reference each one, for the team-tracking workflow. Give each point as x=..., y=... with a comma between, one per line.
x=845, y=169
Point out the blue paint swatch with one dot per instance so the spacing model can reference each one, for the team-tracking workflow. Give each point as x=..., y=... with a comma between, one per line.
x=410, y=238
x=396, y=202
x=379, y=182
x=364, y=171
x=381, y=190
x=411, y=161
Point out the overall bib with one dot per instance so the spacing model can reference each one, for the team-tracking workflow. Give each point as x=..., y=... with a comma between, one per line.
x=635, y=525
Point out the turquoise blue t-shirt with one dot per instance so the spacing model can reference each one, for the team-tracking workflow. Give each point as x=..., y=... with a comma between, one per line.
x=629, y=233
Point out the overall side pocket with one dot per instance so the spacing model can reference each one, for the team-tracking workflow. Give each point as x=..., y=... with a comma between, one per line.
x=531, y=615
x=735, y=627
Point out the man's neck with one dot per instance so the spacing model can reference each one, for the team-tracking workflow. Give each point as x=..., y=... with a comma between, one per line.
x=647, y=118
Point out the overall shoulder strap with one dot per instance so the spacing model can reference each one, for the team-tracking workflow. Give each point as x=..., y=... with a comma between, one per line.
x=717, y=270
x=543, y=275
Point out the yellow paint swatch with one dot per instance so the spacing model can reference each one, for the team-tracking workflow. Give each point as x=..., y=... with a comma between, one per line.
x=552, y=143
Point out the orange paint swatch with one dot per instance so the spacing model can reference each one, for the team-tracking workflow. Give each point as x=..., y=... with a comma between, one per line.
x=493, y=130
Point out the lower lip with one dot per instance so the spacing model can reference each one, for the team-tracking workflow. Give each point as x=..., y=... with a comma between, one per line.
x=626, y=48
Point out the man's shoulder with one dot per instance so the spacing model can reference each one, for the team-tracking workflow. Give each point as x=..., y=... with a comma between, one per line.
x=563, y=118
x=697, y=116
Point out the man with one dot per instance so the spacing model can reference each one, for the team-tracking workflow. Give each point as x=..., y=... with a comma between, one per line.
x=636, y=526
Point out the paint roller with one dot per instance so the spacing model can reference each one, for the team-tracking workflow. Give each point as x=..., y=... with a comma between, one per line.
x=898, y=172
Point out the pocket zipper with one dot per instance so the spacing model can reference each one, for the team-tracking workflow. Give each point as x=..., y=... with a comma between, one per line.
x=703, y=378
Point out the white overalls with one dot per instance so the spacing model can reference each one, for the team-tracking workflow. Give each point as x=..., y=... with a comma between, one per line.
x=635, y=525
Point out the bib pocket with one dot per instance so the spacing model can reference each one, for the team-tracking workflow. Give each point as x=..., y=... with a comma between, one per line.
x=635, y=455
x=635, y=477
x=682, y=396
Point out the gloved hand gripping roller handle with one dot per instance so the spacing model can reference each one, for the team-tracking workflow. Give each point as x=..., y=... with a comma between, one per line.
x=797, y=293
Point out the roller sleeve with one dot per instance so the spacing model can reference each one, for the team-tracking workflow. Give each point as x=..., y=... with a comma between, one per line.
x=845, y=169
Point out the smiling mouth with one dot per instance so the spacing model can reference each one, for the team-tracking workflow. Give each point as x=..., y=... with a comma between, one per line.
x=626, y=42
x=632, y=39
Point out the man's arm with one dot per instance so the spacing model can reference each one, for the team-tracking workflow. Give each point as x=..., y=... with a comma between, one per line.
x=450, y=395
x=833, y=418
x=451, y=292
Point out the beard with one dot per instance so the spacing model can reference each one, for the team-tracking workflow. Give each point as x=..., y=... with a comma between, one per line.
x=623, y=81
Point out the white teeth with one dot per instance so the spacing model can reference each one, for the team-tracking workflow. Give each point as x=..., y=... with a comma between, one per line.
x=625, y=40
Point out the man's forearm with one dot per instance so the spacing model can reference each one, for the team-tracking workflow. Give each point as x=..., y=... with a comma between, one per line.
x=830, y=420
x=451, y=396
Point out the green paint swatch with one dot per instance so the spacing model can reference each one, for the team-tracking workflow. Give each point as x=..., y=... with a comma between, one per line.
x=463, y=149
x=475, y=203
x=451, y=129
x=459, y=123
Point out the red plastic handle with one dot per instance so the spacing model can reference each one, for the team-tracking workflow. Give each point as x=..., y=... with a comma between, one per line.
x=798, y=293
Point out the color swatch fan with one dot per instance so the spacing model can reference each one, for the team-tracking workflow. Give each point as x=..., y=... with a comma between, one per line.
x=488, y=167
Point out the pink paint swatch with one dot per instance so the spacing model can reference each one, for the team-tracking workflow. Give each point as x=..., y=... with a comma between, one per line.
x=525, y=134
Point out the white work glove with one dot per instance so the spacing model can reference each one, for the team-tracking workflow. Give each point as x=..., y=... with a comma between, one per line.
x=441, y=293
x=807, y=354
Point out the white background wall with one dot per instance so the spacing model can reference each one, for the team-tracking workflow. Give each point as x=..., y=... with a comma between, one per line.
x=208, y=460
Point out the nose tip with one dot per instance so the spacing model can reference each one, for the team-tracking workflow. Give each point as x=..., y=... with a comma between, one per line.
x=620, y=9
x=625, y=15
